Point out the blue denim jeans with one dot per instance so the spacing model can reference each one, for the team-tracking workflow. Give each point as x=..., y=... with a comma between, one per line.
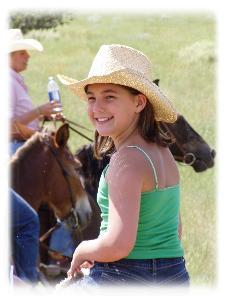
x=147, y=272
x=61, y=241
x=24, y=238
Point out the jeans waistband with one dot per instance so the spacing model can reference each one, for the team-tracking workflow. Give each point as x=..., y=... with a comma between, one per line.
x=150, y=263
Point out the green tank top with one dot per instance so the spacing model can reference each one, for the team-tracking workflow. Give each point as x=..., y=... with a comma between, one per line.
x=157, y=234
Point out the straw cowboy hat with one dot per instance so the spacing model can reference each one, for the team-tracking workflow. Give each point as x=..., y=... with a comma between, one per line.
x=119, y=64
x=17, y=42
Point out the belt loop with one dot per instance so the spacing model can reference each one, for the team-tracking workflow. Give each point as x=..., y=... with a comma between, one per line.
x=154, y=269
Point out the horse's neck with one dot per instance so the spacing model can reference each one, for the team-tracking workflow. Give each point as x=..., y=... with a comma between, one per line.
x=27, y=175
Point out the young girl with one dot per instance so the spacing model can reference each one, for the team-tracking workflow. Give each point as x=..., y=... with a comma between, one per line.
x=139, y=192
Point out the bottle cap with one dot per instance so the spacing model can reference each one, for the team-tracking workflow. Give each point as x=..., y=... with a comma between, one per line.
x=50, y=78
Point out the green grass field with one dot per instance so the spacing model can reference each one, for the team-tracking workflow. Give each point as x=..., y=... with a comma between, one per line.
x=181, y=48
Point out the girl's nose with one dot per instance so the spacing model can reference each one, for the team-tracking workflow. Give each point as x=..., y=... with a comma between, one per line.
x=98, y=107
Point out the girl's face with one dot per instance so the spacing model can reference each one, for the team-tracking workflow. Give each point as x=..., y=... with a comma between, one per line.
x=19, y=60
x=112, y=109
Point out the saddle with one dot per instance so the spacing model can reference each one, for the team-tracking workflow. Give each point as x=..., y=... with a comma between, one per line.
x=19, y=131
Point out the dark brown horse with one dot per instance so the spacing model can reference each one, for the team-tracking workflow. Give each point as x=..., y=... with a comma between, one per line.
x=43, y=171
x=189, y=147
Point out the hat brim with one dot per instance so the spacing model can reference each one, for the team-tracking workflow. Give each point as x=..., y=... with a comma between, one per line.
x=25, y=44
x=163, y=107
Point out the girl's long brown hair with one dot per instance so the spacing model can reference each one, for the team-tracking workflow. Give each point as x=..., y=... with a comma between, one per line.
x=148, y=128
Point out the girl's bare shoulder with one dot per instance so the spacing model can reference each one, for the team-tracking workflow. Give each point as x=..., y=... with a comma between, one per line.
x=126, y=161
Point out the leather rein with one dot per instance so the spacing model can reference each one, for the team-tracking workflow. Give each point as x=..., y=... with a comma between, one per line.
x=77, y=131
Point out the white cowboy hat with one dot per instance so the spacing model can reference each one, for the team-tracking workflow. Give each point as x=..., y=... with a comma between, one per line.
x=119, y=64
x=16, y=42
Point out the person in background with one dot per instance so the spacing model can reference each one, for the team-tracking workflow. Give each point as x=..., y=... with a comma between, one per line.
x=24, y=227
x=24, y=121
x=139, y=191
x=24, y=117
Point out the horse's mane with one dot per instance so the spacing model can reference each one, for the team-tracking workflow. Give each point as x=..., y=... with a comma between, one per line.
x=21, y=152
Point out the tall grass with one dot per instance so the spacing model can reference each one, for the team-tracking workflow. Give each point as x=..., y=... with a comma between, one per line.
x=182, y=51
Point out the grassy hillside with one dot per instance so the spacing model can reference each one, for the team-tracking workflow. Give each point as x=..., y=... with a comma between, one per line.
x=182, y=51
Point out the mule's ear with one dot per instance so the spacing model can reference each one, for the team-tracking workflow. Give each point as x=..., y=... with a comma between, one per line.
x=62, y=135
x=156, y=81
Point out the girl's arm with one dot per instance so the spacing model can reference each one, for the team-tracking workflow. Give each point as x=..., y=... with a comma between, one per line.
x=124, y=186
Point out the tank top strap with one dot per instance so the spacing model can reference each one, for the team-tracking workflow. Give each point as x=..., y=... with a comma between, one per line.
x=150, y=161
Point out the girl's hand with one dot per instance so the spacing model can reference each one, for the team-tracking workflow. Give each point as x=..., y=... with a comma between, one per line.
x=87, y=264
x=75, y=269
x=79, y=260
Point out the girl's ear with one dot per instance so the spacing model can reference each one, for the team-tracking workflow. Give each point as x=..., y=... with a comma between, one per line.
x=140, y=102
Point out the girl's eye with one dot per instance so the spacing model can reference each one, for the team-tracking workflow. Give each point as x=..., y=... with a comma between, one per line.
x=110, y=97
x=91, y=99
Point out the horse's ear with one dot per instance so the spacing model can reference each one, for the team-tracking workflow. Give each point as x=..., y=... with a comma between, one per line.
x=156, y=81
x=78, y=163
x=62, y=135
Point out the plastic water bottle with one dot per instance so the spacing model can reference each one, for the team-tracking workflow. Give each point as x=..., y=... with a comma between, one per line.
x=53, y=93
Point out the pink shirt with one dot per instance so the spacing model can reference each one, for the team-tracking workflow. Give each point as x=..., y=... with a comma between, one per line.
x=20, y=101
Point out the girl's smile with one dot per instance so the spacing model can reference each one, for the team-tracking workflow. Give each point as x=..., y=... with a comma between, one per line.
x=103, y=120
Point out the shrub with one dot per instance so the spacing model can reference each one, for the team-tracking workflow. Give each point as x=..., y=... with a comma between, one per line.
x=32, y=20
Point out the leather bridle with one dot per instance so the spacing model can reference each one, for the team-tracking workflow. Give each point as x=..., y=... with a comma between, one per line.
x=72, y=218
x=188, y=158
